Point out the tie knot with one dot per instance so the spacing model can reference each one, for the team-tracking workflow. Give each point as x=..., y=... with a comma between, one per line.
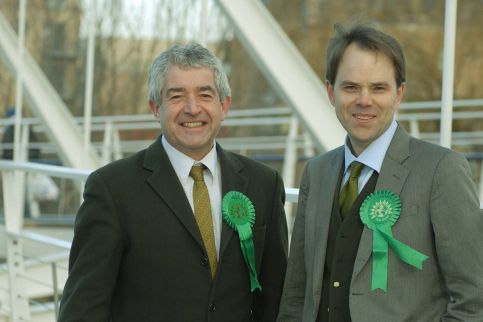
x=197, y=172
x=356, y=168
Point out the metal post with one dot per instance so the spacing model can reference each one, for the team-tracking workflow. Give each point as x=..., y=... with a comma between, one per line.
x=116, y=144
x=414, y=128
x=56, y=290
x=448, y=72
x=204, y=23
x=19, y=87
x=91, y=43
x=107, y=144
x=13, y=193
x=13, y=205
x=24, y=143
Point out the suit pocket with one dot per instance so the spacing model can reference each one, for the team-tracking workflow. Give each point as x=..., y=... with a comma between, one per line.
x=259, y=243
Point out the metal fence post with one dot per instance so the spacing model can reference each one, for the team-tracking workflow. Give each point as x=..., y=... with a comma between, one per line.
x=56, y=290
x=13, y=199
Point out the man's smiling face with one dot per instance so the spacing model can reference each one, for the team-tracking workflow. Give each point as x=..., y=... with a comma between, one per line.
x=191, y=112
x=365, y=95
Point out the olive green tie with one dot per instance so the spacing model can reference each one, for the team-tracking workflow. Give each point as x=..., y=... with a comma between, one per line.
x=349, y=192
x=201, y=200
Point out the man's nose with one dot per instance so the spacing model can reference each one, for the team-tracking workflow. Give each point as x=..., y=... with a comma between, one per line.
x=192, y=106
x=365, y=98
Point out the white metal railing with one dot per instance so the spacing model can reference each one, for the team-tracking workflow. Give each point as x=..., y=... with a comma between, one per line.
x=50, y=271
x=111, y=148
x=52, y=268
x=22, y=282
x=280, y=143
x=43, y=275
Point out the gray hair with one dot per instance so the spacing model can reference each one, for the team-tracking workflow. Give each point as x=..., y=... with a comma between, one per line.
x=189, y=56
x=367, y=38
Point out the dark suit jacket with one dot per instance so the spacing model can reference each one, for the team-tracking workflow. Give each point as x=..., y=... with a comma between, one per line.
x=137, y=253
x=440, y=217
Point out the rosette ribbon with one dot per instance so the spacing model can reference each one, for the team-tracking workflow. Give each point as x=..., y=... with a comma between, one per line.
x=379, y=212
x=239, y=213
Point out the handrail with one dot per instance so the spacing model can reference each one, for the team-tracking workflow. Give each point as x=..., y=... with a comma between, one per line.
x=252, y=112
x=437, y=104
x=82, y=174
x=51, y=170
x=75, y=174
x=233, y=114
x=39, y=238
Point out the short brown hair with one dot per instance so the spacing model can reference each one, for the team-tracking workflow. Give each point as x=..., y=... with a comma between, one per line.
x=365, y=37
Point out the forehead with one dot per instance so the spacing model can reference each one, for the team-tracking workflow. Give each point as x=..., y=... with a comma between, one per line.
x=359, y=64
x=178, y=76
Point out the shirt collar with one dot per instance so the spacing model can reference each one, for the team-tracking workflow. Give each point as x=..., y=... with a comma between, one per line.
x=182, y=163
x=374, y=154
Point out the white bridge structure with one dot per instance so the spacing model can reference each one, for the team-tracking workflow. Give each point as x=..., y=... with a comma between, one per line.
x=34, y=251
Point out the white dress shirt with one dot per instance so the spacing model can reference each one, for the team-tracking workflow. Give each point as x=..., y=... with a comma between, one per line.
x=212, y=175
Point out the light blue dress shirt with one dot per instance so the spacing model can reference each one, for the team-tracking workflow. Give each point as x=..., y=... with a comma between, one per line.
x=372, y=157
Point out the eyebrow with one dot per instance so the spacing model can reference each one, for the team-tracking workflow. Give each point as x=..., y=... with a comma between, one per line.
x=380, y=84
x=347, y=82
x=182, y=89
x=207, y=88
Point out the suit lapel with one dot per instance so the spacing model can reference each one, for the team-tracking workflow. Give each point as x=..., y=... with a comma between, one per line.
x=324, y=194
x=232, y=179
x=165, y=183
x=392, y=177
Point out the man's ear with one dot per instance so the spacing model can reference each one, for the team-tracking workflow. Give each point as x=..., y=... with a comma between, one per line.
x=225, y=106
x=400, y=93
x=155, y=109
x=330, y=92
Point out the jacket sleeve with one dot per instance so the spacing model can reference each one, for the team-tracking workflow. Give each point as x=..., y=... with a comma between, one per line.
x=458, y=232
x=95, y=256
x=272, y=270
x=292, y=303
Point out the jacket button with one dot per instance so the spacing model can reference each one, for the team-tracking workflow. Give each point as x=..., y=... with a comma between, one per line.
x=212, y=307
x=204, y=261
x=336, y=284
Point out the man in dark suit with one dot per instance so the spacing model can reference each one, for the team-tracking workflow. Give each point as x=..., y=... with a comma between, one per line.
x=408, y=246
x=141, y=249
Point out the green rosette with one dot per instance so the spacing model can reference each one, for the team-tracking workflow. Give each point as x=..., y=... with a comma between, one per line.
x=239, y=213
x=379, y=212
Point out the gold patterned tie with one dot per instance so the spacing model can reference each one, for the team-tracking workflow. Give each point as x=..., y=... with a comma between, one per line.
x=201, y=199
x=349, y=192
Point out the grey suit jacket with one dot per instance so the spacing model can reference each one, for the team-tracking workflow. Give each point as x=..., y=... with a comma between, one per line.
x=440, y=217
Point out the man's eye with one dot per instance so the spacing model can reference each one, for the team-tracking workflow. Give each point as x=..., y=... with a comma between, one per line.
x=379, y=89
x=350, y=88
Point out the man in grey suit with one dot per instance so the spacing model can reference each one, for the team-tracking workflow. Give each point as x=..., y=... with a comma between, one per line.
x=409, y=245
x=154, y=238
